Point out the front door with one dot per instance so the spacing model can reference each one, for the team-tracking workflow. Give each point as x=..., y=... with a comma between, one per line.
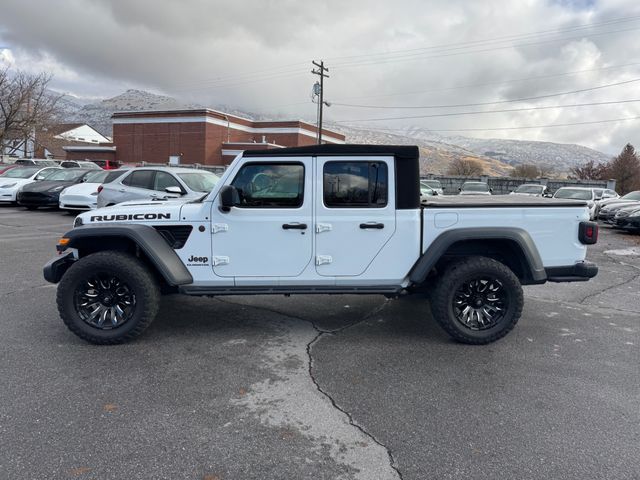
x=355, y=213
x=269, y=234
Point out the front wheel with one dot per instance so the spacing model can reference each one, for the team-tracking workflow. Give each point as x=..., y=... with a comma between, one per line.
x=108, y=297
x=477, y=301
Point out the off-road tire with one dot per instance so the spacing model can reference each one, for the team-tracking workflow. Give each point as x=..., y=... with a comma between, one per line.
x=457, y=273
x=130, y=270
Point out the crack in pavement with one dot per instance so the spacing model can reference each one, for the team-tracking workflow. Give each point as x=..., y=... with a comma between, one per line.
x=611, y=287
x=373, y=470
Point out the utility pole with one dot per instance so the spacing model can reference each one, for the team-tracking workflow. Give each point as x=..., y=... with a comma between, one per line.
x=320, y=71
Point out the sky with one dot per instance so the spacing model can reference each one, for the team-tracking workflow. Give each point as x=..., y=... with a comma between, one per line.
x=427, y=59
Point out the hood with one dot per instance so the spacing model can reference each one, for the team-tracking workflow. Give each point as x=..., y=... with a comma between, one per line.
x=135, y=212
x=17, y=181
x=474, y=193
x=622, y=204
x=46, y=185
x=84, y=188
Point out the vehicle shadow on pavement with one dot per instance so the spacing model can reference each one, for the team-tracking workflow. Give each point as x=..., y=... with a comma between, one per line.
x=406, y=317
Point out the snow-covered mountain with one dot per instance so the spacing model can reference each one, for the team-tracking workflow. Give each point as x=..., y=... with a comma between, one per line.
x=496, y=155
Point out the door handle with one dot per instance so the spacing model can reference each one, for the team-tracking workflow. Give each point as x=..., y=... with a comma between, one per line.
x=376, y=226
x=294, y=226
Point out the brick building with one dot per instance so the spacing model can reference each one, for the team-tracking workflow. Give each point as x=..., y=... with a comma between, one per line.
x=204, y=136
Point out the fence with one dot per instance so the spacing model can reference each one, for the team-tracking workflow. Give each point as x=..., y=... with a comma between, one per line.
x=505, y=185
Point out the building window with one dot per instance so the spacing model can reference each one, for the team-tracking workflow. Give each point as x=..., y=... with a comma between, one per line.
x=355, y=184
x=270, y=185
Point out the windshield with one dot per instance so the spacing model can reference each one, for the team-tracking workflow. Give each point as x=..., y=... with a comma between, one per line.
x=19, y=172
x=529, y=189
x=475, y=187
x=199, y=181
x=432, y=183
x=96, y=177
x=632, y=196
x=67, y=175
x=574, y=193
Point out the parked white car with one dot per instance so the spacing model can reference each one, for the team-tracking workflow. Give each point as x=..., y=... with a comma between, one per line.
x=157, y=183
x=531, y=190
x=434, y=185
x=14, y=179
x=475, y=188
x=579, y=193
x=84, y=196
x=426, y=191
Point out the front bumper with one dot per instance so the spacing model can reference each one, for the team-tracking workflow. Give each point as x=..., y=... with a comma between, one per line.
x=39, y=199
x=579, y=272
x=55, y=268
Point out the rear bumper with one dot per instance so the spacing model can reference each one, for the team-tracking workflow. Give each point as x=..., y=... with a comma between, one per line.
x=55, y=268
x=580, y=272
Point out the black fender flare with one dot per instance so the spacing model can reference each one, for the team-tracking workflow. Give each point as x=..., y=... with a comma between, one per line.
x=150, y=242
x=441, y=244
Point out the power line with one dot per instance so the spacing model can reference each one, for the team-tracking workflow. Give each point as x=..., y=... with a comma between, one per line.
x=481, y=112
x=276, y=72
x=478, y=104
x=422, y=56
x=523, y=79
x=502, y=82
x=554, y=125
x=496, y=39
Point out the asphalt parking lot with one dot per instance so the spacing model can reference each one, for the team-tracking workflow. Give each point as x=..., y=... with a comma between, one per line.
x=344, y=387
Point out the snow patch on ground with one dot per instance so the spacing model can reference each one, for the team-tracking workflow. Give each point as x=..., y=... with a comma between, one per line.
x=627, y=252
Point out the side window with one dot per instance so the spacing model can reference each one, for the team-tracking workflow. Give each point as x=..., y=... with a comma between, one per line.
x=270, y=185
x=164, y=180
x=140, y=179
x=355, y=184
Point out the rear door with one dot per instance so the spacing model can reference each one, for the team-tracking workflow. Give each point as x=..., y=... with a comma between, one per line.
x=355, y=212
x=135, y=186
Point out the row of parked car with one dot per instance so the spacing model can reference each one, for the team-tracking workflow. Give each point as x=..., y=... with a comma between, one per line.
x=593, y=196
x=75, y=189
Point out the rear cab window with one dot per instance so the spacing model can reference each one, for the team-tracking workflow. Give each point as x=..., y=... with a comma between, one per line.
x=355, y=184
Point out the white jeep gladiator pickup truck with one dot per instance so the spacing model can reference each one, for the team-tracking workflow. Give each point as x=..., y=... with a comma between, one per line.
x=329, y=219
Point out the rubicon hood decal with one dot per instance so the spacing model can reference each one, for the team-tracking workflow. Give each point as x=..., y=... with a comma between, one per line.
x=130, y=216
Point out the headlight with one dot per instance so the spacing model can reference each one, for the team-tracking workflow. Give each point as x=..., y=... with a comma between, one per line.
x=56, y=189
x=635, y=214
x=95, y=194
x=8, y=185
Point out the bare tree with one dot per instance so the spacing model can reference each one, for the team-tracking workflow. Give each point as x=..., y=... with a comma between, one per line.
x=25, y=105
x=590, y=171
x=525, y=170
x=465, y=167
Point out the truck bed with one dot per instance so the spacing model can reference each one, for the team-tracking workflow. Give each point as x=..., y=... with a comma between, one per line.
x=497, y=201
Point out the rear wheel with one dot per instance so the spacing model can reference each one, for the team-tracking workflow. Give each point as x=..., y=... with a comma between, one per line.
x=477, y=300
x=108, y=297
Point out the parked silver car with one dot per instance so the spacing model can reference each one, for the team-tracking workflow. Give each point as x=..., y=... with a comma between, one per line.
x=475, y=188
x=161, y=183
x=531, y=190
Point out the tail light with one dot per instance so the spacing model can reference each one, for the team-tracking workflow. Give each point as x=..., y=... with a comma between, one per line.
x=588, y=233
x=99, y=188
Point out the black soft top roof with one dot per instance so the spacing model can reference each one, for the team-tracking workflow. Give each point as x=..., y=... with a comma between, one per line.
x=408, y=152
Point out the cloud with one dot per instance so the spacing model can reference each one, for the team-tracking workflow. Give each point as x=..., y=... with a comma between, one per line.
x=255, y=54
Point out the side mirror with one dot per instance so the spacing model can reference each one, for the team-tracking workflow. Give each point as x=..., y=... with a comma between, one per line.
x=435, y=194
x=459, y=189
x=174, y=190
x=491, y=190
x=229, y=197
